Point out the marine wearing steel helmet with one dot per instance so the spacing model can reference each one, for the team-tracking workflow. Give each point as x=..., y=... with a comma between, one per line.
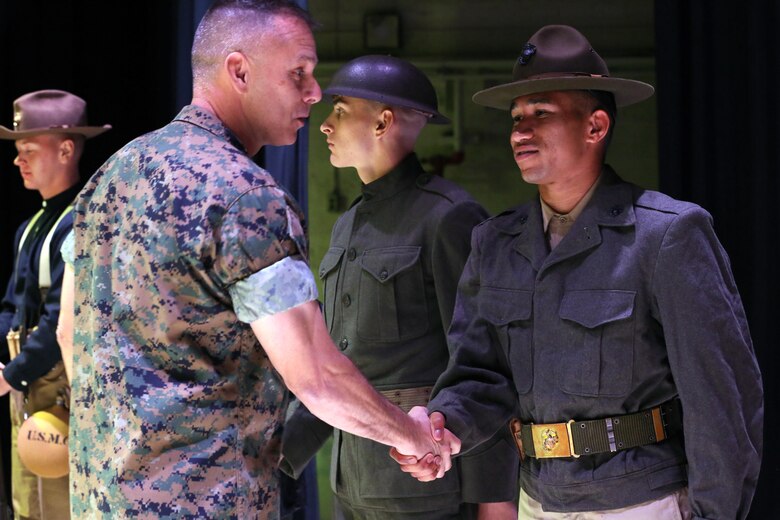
x=390, y=276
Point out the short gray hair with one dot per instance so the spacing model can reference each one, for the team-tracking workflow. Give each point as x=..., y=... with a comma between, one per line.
x=229, y=24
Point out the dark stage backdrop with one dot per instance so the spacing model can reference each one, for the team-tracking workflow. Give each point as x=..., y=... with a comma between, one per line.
x=718, y=70
x=718, y=63
x=130, y=62
x=118, y=56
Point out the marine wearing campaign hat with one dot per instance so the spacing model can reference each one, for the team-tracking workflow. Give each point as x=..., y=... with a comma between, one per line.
x=603, y=315
x=50, y=111
x=49, y=129
x=559, y=57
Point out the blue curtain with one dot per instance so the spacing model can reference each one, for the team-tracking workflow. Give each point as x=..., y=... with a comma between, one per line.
x=718, y=70
x=289, y=165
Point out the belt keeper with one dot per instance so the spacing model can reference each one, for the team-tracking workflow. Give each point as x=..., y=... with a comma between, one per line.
x=610, y=435
x=571, y=439
x=659, y=424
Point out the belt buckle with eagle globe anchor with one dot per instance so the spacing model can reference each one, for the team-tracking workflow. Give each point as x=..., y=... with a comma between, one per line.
x=554, y=440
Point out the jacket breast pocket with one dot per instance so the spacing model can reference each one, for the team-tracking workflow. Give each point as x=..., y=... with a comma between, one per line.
x=599, y=356
x=509, y=311
x=393, y=304
x=329, y=275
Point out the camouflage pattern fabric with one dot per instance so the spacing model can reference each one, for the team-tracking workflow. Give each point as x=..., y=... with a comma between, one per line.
x=177, y=410
x=275, y=289
x=68, y=248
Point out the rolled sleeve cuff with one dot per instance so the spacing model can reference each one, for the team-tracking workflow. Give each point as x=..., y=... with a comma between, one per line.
x=277, y=288
x=68, y=249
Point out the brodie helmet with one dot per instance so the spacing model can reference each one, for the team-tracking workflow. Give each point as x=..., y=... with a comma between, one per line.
x=388, y=80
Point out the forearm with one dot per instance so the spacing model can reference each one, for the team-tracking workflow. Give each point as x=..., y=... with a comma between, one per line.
x=38, y=356
x=329, y=384
x=5, y=327
x=65, y=322
x=476, y=392
x=4, y=386
x=346, y=400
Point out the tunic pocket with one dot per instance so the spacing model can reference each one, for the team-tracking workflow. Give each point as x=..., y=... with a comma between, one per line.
x=510, y=311
x=600, y=342
x=329, y=275
x=393, y=305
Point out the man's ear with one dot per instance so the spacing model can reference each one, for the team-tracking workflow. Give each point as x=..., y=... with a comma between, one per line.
x=598, y=126
x=66, y=150
x=384, y=122
x=237, y=68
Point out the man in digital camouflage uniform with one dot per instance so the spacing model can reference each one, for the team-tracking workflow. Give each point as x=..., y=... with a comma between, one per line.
x=390, y=277
x=607, y=313
x=195, y=310
x=50, y=127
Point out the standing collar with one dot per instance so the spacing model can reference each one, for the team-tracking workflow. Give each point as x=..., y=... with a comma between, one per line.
x=205, y=119
x=61, y=200
x=394, y=181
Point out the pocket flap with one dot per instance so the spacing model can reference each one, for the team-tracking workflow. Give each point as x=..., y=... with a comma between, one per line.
x=384, y=264
x=500, y=306
x=330, y=260
x=594, y=308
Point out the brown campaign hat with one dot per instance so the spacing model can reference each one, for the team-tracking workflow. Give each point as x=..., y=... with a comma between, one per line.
x=50, y=111
x=559, y=57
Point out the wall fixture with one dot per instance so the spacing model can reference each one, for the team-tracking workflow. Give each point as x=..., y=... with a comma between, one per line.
x=382, y=31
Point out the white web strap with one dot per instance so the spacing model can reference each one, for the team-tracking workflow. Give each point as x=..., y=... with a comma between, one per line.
x=44, y=265
x=29, y=228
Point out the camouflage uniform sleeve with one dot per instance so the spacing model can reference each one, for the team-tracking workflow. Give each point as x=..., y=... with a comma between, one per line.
x=278, y=287
x=257, y=230
x=68, y=249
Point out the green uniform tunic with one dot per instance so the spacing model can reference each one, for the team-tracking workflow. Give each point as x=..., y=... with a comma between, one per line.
x=390, y=278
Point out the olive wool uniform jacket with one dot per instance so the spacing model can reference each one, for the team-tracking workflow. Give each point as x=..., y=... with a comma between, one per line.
x=636, y=306
x=390, y=278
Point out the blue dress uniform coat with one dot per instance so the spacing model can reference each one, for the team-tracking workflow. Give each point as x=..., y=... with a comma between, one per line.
x=636, y=306
x=37, y=370
x=390, y=278
x=41, y=350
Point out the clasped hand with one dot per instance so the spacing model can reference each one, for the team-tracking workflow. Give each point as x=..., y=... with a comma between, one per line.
x=444, y=444
x=5, y=387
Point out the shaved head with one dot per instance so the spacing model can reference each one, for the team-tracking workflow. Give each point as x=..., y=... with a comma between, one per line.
x=235, y=25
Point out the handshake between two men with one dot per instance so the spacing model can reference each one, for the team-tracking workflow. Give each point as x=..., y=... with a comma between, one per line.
x=434, y=464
